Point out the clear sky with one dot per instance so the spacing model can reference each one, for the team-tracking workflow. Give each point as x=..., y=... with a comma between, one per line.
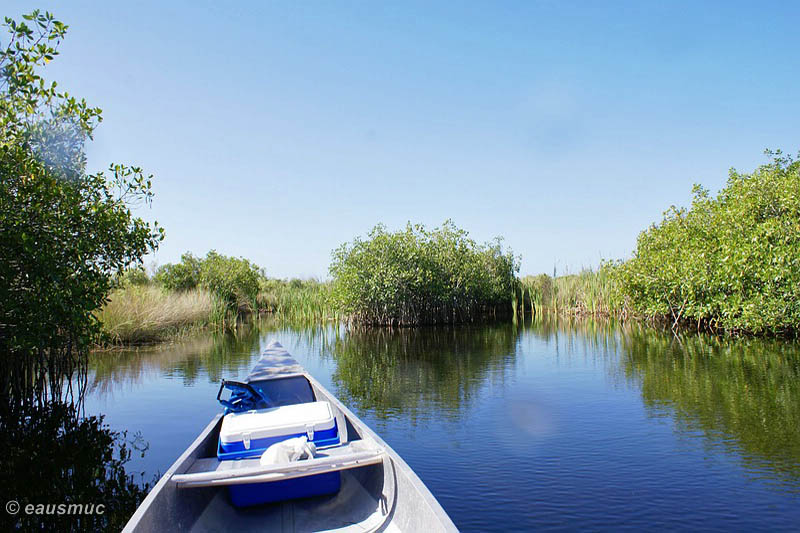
x=277, y=131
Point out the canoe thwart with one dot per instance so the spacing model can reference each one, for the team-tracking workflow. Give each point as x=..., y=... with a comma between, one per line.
x=213, y=472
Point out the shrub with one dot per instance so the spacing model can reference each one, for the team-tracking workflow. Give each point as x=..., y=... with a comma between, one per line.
x=417, y=276
x=732, y=262
x=132, y=277
x=181, y=276
x=234, y=281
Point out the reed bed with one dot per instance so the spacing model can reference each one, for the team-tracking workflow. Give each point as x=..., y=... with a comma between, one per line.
x=590, y=292
x=147, y=313
x=138, y=314
x=303, y=301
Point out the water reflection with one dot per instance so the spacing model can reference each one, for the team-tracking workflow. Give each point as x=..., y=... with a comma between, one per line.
x=389, y=372
x=212, y=355
x=672, y=431
x=67, y=470
x=741, y=394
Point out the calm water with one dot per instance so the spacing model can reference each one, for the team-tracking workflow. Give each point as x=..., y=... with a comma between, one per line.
x=549, y=425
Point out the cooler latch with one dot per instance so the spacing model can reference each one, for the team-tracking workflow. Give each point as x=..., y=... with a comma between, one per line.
x=246, y=440
x=310, y=432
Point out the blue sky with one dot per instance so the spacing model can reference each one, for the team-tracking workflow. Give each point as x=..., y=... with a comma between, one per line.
x=277, y=131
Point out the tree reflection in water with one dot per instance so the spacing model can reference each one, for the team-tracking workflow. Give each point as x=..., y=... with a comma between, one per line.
x=389, y=371
x=740, y=394
x=743, y=394
x=52, y=456
x=211, y=356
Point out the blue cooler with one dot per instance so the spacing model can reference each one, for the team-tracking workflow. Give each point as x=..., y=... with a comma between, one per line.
x=248, y=434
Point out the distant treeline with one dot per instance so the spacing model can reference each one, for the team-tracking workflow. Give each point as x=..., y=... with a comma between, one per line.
x=409, y=277
x=727, y=263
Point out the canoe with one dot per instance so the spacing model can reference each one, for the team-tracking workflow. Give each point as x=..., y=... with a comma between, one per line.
x=379, y=491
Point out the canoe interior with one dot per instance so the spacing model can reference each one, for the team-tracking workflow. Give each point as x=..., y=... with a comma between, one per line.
x=386, y=496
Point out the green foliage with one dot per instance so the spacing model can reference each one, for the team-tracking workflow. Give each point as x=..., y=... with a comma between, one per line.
x=591, y=292
x=132, y=277
x=234, y=281
x=181, y=276
x=63, y=233
x=297, y=301
x=730, y=262
x=537, y=291
x=419, y=276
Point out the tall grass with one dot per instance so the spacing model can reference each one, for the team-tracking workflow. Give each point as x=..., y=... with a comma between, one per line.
x=303, y=301
x=591, y=292
x=146, y=313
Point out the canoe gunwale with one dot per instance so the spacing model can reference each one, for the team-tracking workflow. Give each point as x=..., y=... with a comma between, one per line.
x=182, y=462
x=397, y=462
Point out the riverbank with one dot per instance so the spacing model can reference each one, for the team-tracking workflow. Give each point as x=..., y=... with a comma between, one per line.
x=726, y=264
x=148, y=313
x=416, y=276
x=140, y=314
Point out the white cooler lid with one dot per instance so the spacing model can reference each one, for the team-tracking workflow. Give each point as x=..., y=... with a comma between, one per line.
x=276, y=421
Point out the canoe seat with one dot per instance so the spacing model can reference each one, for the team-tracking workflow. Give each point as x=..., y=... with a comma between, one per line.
x=211, y=472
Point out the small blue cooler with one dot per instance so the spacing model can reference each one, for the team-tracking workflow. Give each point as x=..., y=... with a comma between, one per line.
x=248, y=434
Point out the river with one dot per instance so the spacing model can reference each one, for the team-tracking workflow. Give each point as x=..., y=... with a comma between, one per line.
x=551, y=424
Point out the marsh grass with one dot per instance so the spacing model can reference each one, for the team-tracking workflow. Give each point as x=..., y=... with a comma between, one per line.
x=304, y=301
x=148, y=313
x=138, y=314
x=590, y=292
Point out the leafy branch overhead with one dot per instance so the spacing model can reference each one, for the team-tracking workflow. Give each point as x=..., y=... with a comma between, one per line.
x=64, y=232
